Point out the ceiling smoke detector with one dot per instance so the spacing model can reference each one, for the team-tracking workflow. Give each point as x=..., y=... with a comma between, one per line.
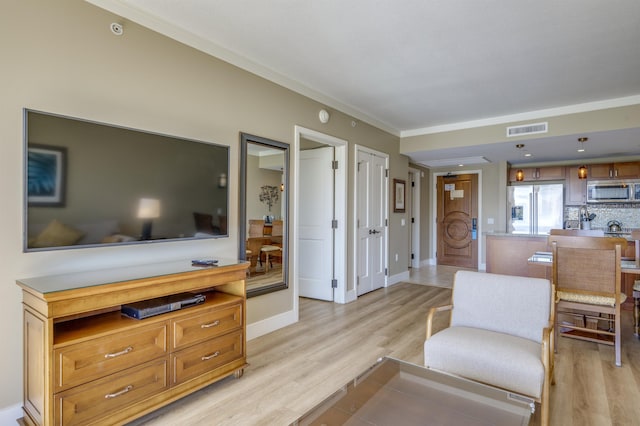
x=116, y=28
x=323, y=115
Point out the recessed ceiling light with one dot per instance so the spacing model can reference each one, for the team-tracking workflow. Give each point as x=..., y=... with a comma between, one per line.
x=582, y=140
x=524, y=152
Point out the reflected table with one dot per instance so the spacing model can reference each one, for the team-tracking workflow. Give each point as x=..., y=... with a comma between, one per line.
x=394, y=392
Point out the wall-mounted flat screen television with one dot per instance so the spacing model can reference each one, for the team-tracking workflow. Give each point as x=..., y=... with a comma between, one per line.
x=90, y=184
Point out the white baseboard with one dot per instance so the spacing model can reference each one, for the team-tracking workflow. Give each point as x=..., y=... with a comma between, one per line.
x=270, y=324
x=10, y=415
x=397, y=278
x=352, y=296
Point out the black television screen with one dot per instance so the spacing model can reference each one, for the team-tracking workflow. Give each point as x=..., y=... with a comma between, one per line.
x=91, y=184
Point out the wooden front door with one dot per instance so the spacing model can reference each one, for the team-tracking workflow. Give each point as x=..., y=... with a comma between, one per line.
x=457, y=220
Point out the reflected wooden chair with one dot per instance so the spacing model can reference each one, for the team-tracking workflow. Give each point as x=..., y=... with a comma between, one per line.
x=254, y=252
x=204, y=223
x=256, y=228
x=270, y=252
x=277, y=231
x=578, y=232
x=587, y=277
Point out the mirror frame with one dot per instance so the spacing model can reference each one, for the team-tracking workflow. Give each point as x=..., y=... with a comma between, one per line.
x=245, y=140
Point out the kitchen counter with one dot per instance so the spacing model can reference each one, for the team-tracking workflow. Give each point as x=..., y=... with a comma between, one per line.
x=506, y=234
x=509, y=254
x=626, y=235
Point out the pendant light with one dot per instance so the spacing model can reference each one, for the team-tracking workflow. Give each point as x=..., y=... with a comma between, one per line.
x=582, y=170
x=519, y=172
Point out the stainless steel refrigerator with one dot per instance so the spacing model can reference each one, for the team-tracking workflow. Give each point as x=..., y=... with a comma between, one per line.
x=535, y=209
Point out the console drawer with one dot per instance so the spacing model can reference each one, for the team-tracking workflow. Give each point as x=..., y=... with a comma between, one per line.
x=91, y=401
x=196, y=360
x=210, y=323
x=88, y=360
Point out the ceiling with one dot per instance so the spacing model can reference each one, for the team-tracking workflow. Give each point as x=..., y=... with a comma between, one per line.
x=413, y=66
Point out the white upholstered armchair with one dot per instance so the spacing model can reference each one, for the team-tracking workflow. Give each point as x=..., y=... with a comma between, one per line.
x=500, y=334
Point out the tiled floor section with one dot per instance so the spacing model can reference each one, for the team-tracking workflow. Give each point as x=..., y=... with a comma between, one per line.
x=434, y=275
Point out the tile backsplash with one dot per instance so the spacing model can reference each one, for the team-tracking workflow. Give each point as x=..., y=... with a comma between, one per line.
x=625, y=213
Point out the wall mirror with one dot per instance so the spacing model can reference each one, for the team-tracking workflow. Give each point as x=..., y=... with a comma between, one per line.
x=264, y=211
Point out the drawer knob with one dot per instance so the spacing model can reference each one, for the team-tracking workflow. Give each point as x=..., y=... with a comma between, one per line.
x=120, y=392
x=122, y=352
x=213, y=324
x=213, y=355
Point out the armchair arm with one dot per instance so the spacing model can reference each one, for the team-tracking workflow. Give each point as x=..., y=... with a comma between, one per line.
x=548, y=350
x=432, y=313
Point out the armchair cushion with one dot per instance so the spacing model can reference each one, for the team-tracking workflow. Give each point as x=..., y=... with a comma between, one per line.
x=499, y=359
x=518, y=306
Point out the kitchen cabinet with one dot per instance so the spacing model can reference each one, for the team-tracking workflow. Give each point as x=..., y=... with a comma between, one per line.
x=535, y=174
x=575, y=191
x=629, y=170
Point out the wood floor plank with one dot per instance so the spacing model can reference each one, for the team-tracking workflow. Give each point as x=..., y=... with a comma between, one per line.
x=293, y=369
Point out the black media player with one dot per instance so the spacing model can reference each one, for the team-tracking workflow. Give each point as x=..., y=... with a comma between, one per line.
x=161, y=305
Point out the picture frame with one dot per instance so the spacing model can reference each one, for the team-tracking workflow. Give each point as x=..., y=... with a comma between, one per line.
x=46, y=175
x=399, y=192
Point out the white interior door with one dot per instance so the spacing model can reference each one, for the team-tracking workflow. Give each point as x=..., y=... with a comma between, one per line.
x=371, y=196
x=315, y=231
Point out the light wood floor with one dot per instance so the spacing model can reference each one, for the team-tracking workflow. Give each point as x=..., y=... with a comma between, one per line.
x=293, y=369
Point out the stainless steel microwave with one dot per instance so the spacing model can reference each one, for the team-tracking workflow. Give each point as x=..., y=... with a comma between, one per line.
x=613, y=191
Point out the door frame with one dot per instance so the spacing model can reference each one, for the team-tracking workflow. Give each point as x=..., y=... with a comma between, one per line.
x=414, y=176
x=434, y=212
x=353, y=293
x=340, y=199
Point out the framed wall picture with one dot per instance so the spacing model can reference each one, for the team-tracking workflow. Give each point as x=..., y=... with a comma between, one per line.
x=399, y=188
x=46, y=175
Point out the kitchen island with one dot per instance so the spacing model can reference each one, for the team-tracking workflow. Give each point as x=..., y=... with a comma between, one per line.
x=508, y=254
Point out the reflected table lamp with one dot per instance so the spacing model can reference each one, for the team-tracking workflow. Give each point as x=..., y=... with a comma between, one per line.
x=148, y=209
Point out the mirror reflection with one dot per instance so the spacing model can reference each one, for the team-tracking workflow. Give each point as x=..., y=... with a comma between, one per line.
x=264, y=202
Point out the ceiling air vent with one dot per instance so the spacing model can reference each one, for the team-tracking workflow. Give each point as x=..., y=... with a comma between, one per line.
x=527, y=129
